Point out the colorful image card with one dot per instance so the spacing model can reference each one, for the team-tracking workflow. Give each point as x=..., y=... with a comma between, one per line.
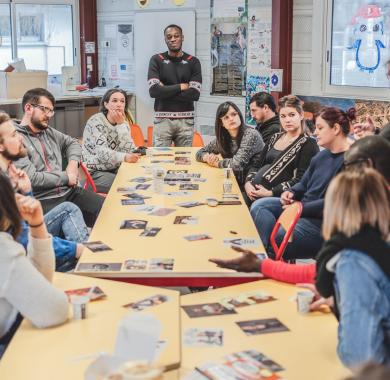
x=207, y=310
x=262, y=326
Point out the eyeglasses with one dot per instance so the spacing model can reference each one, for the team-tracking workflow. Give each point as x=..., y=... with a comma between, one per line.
x=48, y=111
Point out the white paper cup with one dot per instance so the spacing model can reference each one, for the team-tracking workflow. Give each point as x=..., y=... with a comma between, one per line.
x=79, y=305
x=304, y=299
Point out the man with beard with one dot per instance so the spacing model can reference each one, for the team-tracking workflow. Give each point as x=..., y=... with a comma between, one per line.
x=174, y=80
x=64, y=220
x=47, y=149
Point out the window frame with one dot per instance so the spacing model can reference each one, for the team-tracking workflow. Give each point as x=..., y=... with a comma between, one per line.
x=75, y=25
x=354, y=92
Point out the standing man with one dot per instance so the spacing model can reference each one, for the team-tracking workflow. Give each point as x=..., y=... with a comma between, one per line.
x=47, y=149
x=263, y=110
x=174, y=80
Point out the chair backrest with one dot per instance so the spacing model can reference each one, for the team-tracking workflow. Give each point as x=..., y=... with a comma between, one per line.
x=85, y=178
x=287, y=219
x=197, y=140
x=137, y=135
x=150, y=136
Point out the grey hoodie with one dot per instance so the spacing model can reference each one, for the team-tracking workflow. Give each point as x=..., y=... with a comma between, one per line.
x=47, y=150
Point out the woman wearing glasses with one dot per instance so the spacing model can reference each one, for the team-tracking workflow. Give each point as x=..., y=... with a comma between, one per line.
x=239, y=146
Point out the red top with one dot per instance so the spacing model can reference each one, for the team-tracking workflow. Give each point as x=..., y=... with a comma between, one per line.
x=292, y=273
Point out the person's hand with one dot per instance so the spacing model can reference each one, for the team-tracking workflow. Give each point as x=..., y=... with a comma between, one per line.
x=116, y=116
x=30, y=209
x=213, y=160
x=250, y=190
x=247, y=262
x=319, y=303
x=131, y=157
x=20, y=179
x=287, y=198
x=364, y=129
x=72, y=171
x=262, y=192
x=184, y=86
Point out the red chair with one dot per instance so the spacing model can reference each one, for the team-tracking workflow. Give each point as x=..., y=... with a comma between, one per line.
x=197, y=140
x=287, y=219
x=137, y=135
x=86, y=180
x=149, y=142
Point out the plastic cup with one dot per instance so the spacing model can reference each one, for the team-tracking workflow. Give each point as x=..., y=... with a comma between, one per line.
x=304, y=300
x=212, y=202
x=79, y=304
x=227, y=186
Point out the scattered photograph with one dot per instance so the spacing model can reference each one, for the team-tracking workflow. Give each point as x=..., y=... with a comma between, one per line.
x=190, y=204
x=141, y=179
x=133, y=224
x=136, y=196
x=162, y=211
x=161, y=264
x=97, y=246
x=207, y=310
x=158, y=299
x=189, y=186
x=125, y=189
x=132, y=201
x=150, y=232
x=241, y=242
x=262, y=326
x=246, y=299
x=186, y=219
x=204, y=337
x=142, y=186
x=197, y=237
x=98, y=267
x=94, y=293
x=134, y=265
x=182, y=160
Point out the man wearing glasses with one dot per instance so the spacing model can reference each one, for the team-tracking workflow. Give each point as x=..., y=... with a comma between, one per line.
x=47, y=149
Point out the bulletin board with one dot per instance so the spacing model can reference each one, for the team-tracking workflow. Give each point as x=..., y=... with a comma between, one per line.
x=149, y=40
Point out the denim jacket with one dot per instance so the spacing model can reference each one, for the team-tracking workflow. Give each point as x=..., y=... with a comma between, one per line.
x=362, y=293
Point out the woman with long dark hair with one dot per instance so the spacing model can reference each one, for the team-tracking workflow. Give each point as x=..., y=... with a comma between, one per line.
x=240, y=146
x=107, y=140
x=286, y=157
x=25, y=280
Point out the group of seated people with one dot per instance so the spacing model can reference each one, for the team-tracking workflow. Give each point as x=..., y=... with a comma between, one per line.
x=343, y=186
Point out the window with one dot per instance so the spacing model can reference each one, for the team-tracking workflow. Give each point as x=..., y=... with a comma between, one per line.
x=360, y=43
x=43, y=34
x=5, y=36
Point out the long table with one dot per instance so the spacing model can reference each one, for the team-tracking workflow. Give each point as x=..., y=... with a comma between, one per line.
x=307, y=351
x=64, y=352
x=191, y=266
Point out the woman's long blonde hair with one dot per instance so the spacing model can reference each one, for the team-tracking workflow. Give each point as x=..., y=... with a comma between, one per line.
x=356, y=199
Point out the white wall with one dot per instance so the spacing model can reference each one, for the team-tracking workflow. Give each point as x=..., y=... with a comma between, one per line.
x=123, y=10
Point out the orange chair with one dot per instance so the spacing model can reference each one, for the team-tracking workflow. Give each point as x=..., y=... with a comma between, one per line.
x=137, y=135
x=287, y=219
x=197, y=140
x=87, y=181
x=150, y=136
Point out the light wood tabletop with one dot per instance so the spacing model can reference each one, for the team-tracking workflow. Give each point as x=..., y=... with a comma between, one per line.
x=191, y=266
x=307, y=351
x=64, y=352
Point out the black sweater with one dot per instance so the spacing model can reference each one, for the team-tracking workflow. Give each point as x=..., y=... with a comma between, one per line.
x=164, y=77
x=268, y=128
x=288, y=168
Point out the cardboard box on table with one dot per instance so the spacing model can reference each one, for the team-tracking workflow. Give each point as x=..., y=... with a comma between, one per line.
x=15, y=84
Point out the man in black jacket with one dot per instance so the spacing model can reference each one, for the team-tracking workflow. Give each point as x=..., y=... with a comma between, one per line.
x=174, y=80
x=263, y=110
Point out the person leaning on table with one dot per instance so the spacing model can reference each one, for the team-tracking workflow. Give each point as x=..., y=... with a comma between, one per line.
x=107, y=139
x=240, y=146
x=25, y=281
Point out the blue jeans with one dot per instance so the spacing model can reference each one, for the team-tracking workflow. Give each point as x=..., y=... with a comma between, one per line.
x=362, y=293
x=66, y=221
x=306, y=241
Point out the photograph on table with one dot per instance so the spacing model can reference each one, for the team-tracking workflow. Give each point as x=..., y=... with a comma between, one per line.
x=203, y=337
x=246, y=299
x=207, y=310
x=197, y=237
x=132, y=201
x=161, y=264
x=97, y=246
x=93, y=293
x=262, y=326
x=155, y=300
x=135, y=265
x=150, y=232
x=186, y=219
x=99, y=267
x=133, y=224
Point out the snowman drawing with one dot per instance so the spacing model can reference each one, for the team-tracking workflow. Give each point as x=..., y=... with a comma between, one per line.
x=368, y=32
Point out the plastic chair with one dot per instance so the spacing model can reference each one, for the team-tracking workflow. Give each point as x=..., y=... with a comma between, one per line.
x=197, y=140
x=87, y=181
x=150, y=136
x=137, y=135
x=287, y=219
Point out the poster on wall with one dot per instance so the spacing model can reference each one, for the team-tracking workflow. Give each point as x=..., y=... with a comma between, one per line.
x=229, y=22
x=259, y=51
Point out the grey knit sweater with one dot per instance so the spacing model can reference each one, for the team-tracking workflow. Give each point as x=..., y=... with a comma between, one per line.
x=105, y=145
